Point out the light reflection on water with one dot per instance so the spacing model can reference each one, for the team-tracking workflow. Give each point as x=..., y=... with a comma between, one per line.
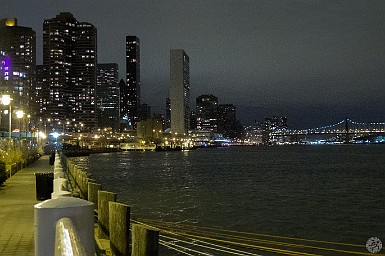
x=320, y=192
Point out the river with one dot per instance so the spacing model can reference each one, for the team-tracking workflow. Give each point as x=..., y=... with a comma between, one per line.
x=324, y=192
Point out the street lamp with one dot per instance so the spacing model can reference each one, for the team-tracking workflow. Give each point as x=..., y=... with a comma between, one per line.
x=6, y=100
x=20, y=114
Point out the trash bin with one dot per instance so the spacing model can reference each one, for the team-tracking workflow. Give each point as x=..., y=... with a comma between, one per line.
x=52, y=159
x=44, y=185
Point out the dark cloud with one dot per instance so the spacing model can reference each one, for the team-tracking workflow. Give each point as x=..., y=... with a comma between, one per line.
x=314, y=61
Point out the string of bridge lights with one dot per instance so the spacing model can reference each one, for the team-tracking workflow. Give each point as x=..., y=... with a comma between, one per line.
x=328, y=127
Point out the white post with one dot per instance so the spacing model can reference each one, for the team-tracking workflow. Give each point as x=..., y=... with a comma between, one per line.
x=49, y=212
x=60, y=188
x=67, y=240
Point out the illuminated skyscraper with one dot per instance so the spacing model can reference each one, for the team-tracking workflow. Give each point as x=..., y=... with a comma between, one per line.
x=69, y=58
x=5, y=72
x=207, y=113
x=168, y=113
x=179, y=91
x=130, y=96
x=107, y=96
x=41, y=90
x=227, y=120
x=19, y=49
x=85, y=76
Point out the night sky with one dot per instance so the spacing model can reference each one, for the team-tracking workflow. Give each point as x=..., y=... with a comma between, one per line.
x=315, y=62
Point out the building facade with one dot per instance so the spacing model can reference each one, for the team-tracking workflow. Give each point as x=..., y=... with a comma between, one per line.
x=179, y=91
x=227, y=121
x=69, y=59
x=168, y=113
x=207, y=113
x=5, y=72
x=41, y=90
x=18, y=75
x=144, y=112
x=130, y=95
x=108, y=96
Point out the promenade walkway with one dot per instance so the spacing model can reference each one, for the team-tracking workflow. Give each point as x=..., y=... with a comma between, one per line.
x=17, y=200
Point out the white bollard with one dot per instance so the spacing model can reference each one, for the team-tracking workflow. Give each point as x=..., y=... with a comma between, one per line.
x=47, y=213
x=60, y=184
x=58, y=169
x=57, y=165
x=58, y=175
x=67, y=239
x=58, y=194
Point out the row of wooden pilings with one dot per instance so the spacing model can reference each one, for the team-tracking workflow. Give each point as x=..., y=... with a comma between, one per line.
x=113, y=217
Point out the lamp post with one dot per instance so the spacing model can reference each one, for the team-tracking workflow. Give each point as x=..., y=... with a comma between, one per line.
x=6, y=100
x=27, y=126
x=20, y=114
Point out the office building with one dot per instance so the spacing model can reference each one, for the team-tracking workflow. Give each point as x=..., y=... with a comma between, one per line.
x=193, y=120
x=5, y=71
x=207, y=113
x=179, y=91
x=18, y=46
x=41, y=90
x=227, y=121
x=144, y=112
x=124, y=124
x=168, y=113
x=107, y=96
x=130, y=96
x=275, y=123
x=69, y=58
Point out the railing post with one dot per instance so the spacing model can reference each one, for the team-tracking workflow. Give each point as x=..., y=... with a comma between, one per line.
x=145, y=242
x=104, y=197
x=93, y=189
x=119, y=229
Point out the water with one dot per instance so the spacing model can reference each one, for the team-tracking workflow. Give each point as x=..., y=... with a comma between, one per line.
x=329, y=192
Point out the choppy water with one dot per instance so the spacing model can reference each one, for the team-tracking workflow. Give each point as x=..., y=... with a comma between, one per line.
x=334, y=193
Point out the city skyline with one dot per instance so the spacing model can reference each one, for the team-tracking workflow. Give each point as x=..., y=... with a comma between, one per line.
x=314, y=62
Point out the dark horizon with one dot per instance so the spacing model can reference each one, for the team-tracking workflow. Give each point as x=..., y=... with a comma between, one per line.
x=314, y=62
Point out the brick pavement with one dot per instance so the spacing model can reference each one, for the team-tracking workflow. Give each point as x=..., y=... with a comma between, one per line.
x=17, y=200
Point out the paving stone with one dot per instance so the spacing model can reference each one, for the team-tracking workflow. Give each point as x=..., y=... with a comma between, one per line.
x=17, y=201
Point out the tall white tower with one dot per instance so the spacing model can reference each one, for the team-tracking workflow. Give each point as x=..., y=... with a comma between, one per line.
x=179, y=91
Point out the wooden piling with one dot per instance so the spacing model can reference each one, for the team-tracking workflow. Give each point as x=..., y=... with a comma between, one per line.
x=145, y=241
x=119, y=229
x=93, y=189
x=104, y=197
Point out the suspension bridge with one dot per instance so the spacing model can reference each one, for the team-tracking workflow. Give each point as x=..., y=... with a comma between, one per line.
x=347, y=128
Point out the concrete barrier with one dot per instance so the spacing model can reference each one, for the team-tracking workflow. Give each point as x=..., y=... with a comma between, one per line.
x=49, y=212
x=113, y=217
x=58, y=175
x=60, y=184
x=67, y=239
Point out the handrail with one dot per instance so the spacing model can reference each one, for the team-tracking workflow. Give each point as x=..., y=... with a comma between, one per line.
x=67, y=240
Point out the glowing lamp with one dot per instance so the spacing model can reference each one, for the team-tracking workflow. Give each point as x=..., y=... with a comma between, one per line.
x=10, y=22
x=19, y=114
x=6, y=99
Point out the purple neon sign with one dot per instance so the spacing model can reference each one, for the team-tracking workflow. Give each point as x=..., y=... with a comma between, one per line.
x=5, y=67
